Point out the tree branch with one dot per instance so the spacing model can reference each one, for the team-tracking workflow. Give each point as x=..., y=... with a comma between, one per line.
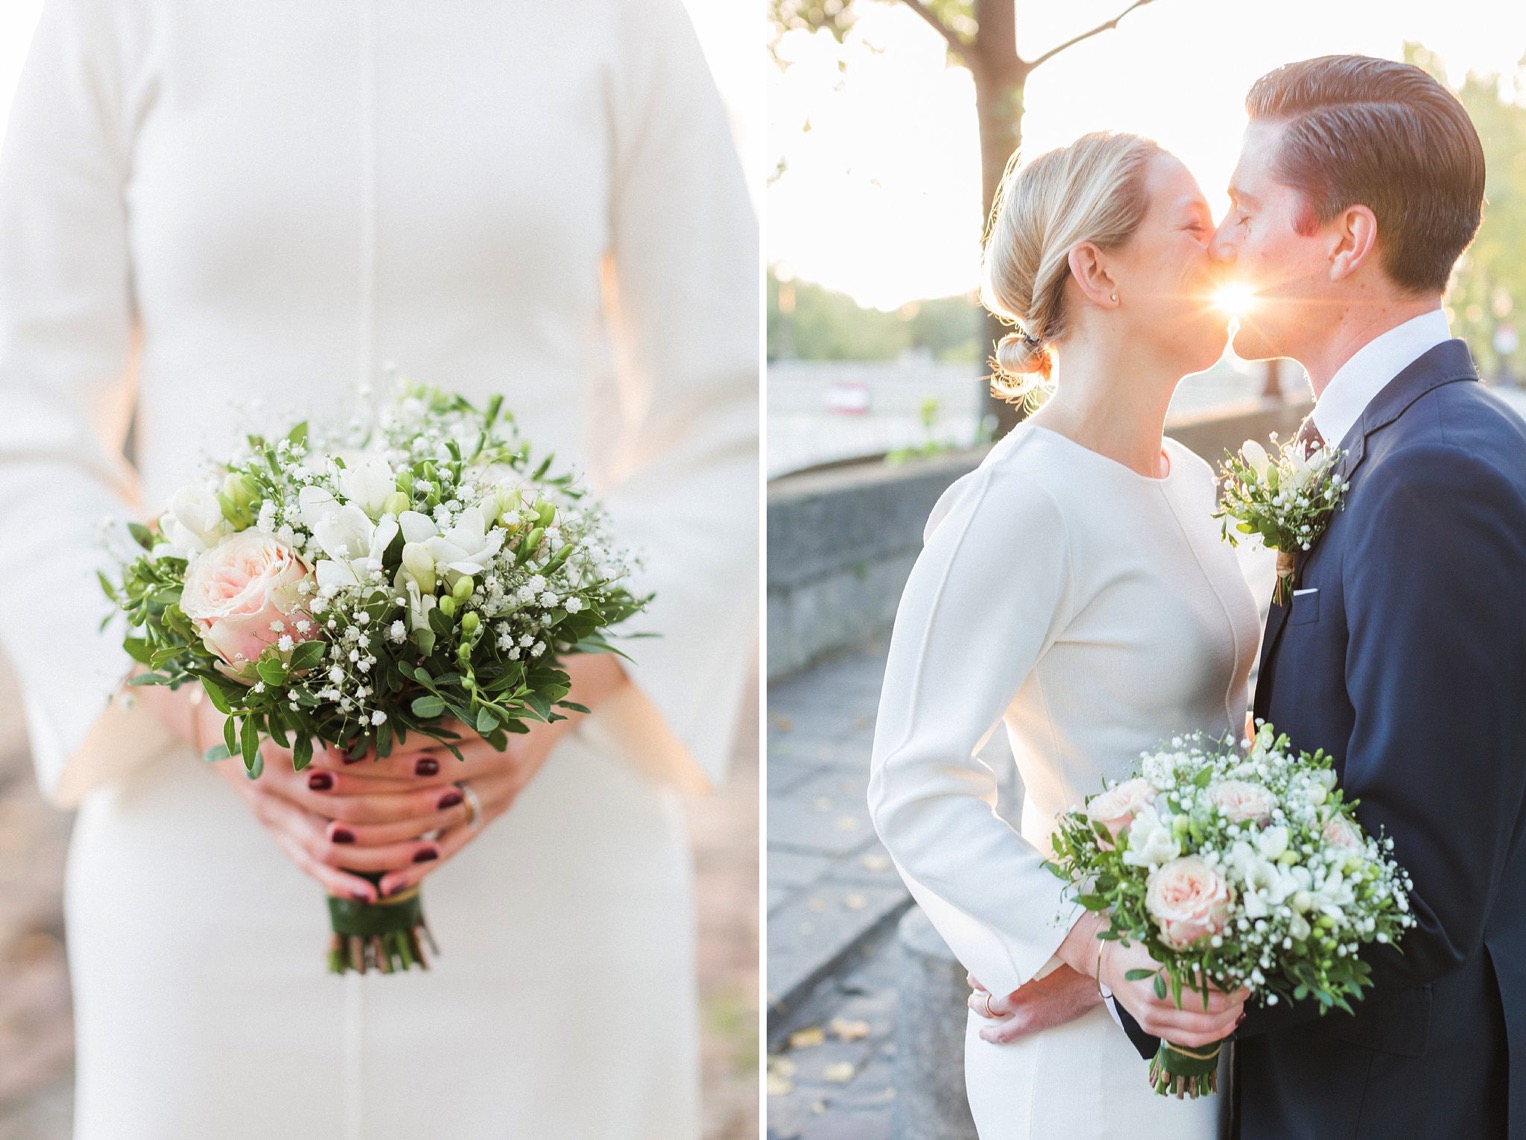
x=943, y=29
x=1098, y=30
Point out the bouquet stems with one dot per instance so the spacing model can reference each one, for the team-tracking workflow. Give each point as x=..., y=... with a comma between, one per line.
x=1282, y=592
x=386, y=935
x=1185, y=1073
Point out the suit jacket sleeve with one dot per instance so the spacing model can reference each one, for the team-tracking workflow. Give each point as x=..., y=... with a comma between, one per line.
x=1435, y=666
x=988, y=595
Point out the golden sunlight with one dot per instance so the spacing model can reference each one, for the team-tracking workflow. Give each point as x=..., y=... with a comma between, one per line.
x=1235, y=299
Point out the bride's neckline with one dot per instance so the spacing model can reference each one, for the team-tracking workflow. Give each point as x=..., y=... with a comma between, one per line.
x=1109, y=460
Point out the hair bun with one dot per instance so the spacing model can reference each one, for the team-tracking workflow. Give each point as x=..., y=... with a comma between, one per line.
x=1018, y=354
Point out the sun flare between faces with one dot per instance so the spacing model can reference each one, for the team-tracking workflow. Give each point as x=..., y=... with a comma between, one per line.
x=1234, y=299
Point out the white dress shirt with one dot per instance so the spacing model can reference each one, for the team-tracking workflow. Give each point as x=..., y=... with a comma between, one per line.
x=1368, y=372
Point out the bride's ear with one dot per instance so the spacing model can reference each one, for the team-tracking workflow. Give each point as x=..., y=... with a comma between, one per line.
x=1089, y=270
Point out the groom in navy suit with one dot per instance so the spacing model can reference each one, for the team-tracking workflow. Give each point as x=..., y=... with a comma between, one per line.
x=1403, y=651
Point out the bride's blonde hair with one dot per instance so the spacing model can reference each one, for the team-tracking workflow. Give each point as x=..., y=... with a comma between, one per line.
x=1093, y=191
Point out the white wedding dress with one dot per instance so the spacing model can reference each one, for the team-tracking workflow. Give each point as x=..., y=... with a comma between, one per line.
x=1095, y=613
x=202, y=204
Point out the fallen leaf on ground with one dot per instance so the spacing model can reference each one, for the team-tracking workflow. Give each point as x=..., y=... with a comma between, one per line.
x=807, y=1038
x=848, y=1030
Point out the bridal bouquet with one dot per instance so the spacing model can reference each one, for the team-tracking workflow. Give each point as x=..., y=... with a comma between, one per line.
x=1286, y=497
x=356, y=586
x=1234, y=869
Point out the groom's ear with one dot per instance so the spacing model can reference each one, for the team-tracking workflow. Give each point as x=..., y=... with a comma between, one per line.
x=1089, y=270
x=1353, y=241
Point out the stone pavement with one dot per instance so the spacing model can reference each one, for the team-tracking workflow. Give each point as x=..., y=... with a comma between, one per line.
x=834, y=898
x=36, y=1033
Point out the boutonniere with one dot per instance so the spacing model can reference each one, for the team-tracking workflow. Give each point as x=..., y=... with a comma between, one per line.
x=1287, y=497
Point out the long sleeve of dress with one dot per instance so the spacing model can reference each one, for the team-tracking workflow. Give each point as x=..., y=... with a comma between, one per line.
x=991, y=590
x=66, y=349
x=681, y=481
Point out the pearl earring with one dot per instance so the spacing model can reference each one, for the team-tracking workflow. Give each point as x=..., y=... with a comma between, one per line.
x=1115, y=296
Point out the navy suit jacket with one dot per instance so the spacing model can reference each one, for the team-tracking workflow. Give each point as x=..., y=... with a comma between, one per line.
x=1403, y=654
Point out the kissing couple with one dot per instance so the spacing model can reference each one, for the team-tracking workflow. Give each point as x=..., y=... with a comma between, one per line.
x=1075, y=591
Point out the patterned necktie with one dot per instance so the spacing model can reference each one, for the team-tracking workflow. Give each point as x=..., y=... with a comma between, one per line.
x=1309, y=436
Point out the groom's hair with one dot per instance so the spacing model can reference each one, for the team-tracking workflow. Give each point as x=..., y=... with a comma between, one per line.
x=1385, y=135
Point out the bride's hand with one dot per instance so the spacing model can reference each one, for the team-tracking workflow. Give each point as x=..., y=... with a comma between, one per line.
x=427, y=842
x=494, y=777
x=303, y=810
x=1058, y=997
x=1196, y=1024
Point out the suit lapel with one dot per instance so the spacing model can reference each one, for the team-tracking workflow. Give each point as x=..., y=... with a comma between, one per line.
x=1447, y=362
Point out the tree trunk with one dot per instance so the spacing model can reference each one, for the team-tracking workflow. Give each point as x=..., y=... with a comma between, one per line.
x=999, y=105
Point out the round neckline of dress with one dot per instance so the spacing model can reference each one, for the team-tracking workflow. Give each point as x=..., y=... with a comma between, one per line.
x=1158, y=480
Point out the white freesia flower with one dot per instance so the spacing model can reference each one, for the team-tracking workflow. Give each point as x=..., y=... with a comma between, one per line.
x=314, y=504
x=367, y=481
x=354, y=545
x=194, y=522
x=1151, y=842
x=465, y=548
x=1255, y=457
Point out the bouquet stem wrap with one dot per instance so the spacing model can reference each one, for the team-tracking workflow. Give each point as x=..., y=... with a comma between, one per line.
x=386, y=935
x=1185, y=1073
x=1282, y=592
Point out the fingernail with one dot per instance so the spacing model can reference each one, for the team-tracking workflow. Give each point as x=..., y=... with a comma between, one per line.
x=348, y=759
x=448, y=800
x=428, y=766
x=320, y=781
x=429, y=854
x=343, y=835
x=359, y=895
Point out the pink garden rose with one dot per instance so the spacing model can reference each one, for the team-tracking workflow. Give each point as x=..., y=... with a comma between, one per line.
x=1116, y=808
x=1341, y=832
x=242, y=595
x=1242, y=801
x=1189, y=901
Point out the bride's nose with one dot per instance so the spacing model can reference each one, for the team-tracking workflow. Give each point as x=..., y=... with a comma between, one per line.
x=1221, y=249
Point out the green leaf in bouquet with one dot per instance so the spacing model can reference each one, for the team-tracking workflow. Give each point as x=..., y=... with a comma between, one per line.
x=141, y=535
x=487, y=721
x=217, y=752
x=1092, y=902
x=306, y=656
x=221, y=698
x=271, y=671
x=1139, y=975
x=1160, y=986
x=439, y=620
x=545, y=465
x=230, y=736
x=250, y=745
x=574, y=706
x=301, y=751
x=277, y=726
x=143, y=679
x=383, y=740
x=297, y=437
x=428, y=707
x=541, y=706
x=424, y=639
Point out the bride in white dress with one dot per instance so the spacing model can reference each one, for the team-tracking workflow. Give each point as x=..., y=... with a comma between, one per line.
x=1074, y=590
x=204, y=204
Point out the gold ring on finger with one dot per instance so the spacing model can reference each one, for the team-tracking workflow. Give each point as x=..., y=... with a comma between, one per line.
x=989, y=1013
x=473, y=805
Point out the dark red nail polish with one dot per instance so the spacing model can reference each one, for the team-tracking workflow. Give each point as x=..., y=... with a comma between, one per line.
x=448, y=800
x=343, y=835
x=320, y=781
x=427, y=855
x=359, y=895
x=348, y=759
x=428, y=766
